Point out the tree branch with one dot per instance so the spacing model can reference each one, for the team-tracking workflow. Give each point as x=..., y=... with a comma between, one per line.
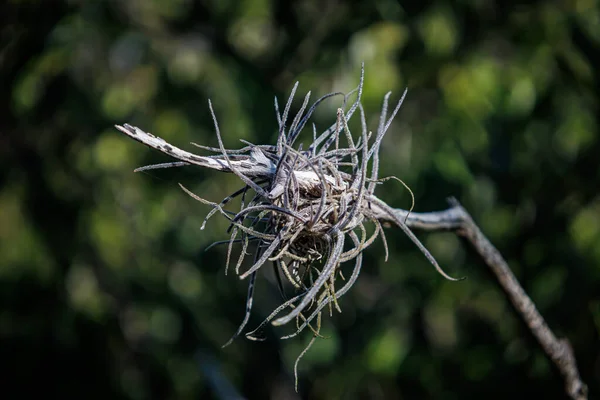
x=458, y=219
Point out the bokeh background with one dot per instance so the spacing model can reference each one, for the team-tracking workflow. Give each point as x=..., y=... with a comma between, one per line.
x=106, y=290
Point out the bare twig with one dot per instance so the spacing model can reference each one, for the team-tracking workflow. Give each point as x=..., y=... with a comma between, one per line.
x=304, y=207
x=558, y=350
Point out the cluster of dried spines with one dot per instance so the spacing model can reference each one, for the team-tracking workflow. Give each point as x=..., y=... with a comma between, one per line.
x=308, y=212
x=304, y=211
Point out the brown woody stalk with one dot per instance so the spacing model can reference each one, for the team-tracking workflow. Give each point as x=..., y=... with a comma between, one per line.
x=559, y=351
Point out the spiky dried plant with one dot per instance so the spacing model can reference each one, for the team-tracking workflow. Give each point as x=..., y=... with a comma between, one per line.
x=308, y=209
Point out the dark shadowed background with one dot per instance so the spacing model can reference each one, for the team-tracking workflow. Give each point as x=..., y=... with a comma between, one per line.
x=106, y=290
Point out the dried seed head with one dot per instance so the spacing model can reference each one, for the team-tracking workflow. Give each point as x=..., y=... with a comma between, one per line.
x=308, y=210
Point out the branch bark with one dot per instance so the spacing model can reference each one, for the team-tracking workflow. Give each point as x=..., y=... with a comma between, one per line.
x=558, y=350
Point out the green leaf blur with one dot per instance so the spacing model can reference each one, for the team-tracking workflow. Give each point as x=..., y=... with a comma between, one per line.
x=107, y=289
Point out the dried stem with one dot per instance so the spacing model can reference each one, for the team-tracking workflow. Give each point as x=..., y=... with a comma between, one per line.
x=558, y=350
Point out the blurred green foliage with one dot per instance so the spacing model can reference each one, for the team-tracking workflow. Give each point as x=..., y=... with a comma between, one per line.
x=106, y=289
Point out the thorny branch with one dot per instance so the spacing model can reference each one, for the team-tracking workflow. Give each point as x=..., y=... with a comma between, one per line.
x=309, y=213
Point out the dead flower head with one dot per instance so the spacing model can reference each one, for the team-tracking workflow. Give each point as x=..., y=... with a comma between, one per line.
x=305, y=210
